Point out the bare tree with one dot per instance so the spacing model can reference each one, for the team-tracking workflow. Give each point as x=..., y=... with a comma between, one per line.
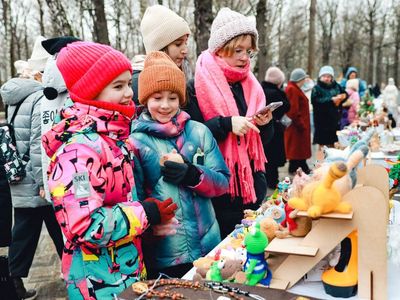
x=311, y=37
x=396, y=53
x=41, y=17
x=327, y=15
x=203, y=18
x=379, y=50
x=100, y=23
x=371, y=19
x=262, y=45
x=59, y=18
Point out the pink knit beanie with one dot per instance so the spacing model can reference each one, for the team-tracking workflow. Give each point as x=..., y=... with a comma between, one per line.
x=274, y=75
x=87, y=68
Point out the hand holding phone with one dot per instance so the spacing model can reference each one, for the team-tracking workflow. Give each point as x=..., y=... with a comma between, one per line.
x=272, y=106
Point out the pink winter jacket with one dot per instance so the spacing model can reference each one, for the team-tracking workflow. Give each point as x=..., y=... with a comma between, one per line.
x=355, y=97
x=91, y=182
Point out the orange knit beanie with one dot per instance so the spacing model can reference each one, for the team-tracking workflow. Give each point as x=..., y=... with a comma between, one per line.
x=160, y=73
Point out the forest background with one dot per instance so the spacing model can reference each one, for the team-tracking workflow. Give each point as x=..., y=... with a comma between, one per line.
x=292, y=33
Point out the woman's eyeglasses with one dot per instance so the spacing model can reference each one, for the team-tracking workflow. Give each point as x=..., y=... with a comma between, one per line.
x=240, y=53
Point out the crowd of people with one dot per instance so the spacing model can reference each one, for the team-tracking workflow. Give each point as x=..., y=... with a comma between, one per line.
x=143, y=166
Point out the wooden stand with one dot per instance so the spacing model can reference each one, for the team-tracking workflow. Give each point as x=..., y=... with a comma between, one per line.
x=293, y=257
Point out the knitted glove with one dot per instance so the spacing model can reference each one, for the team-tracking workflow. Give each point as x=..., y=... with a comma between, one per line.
x=180, y=173
x=159, y=212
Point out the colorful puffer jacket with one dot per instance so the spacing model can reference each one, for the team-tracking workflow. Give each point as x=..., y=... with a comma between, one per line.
x=199, y=231
x=91, y=182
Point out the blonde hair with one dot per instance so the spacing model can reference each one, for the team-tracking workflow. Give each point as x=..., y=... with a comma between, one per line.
x=229, y=48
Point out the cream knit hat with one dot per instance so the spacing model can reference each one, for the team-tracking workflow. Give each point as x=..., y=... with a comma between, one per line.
x=274, y=75
x=161, y=26
x=227, y=25
x=39, y=56
x=353, y=84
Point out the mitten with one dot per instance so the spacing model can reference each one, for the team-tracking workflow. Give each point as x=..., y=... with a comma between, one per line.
x=159, y=212
x=180, y=173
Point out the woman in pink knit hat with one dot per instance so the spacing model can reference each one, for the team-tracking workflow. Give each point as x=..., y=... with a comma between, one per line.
x=226, y=96
x=91, y=175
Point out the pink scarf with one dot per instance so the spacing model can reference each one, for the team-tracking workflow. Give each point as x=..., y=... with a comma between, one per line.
x=215, y=98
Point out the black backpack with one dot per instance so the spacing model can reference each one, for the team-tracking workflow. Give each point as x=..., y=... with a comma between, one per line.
x=14, y=164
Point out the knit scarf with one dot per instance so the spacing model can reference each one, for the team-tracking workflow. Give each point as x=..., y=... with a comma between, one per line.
x=215, y=98
x=173, y=128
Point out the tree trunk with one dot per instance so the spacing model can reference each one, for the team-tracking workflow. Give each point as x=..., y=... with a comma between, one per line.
x=41, y=19
x=379, y=55
x=397, y=52
x=262, y=45
x=100, y=23
x=311, y=38
x=203, y=18
x=59, y=18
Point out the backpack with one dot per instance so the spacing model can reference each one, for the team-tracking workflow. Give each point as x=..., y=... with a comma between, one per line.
x=14, y=164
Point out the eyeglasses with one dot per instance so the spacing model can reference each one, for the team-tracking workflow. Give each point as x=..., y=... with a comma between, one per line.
x=239, y=53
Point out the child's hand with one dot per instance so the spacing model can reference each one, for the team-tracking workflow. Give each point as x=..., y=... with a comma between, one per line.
x=172, y=156
x=168, y=228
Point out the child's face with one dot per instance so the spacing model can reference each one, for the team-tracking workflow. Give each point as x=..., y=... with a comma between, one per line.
x=163, y=106
x=326, y=78
x=242, y=53
x=178, y=50
x=118, y=91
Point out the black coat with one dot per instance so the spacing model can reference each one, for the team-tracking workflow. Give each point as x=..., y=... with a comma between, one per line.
x=275, y=148
x=222, y=126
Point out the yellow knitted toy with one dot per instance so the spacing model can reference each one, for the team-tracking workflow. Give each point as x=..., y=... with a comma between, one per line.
x=321, y=197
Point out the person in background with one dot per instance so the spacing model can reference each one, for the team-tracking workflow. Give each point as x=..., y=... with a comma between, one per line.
x=298, y=134
x=226, y=97
x=353, y=102
x=163, y=30
x=91, y=175
x=352, y=73
x=275, y=149
x=391, y=99
x=178, y=158
x=31, y=208
x=327, y=97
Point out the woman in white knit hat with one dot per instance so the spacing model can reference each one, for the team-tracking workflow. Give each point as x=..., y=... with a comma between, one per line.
x=163, y=30
x=227, y=97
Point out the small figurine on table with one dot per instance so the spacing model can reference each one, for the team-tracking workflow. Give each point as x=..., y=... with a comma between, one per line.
x=256, y=267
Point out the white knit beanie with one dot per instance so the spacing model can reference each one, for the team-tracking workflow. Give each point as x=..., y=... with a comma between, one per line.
x=227, y=25
x=274, y=75
x=39, y=56
x=161, y=26
x=352, y=84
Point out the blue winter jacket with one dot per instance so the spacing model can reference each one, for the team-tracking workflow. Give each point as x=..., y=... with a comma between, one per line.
x=362, y=86
x=199, y=231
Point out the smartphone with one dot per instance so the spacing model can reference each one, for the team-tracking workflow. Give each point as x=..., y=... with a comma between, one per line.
x=272, y=106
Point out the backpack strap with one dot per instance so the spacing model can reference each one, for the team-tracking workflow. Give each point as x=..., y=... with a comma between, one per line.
x=15, y=112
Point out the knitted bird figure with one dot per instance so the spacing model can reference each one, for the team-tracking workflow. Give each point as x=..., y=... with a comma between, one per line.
x=256, y=267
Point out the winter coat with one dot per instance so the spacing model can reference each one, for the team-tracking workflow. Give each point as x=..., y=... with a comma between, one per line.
x=220, y=127
x=362, y=85
x=199, y=231
x=297, y=135
x=91, y=182
x=275, y=149
x=326, y=114
x=355, y=98
x=55, y=94
x=28, y=136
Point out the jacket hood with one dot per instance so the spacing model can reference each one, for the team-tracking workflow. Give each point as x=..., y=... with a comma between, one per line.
x=79, y=118
x=350, y=70
x=16, y=90
x=52, y=77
